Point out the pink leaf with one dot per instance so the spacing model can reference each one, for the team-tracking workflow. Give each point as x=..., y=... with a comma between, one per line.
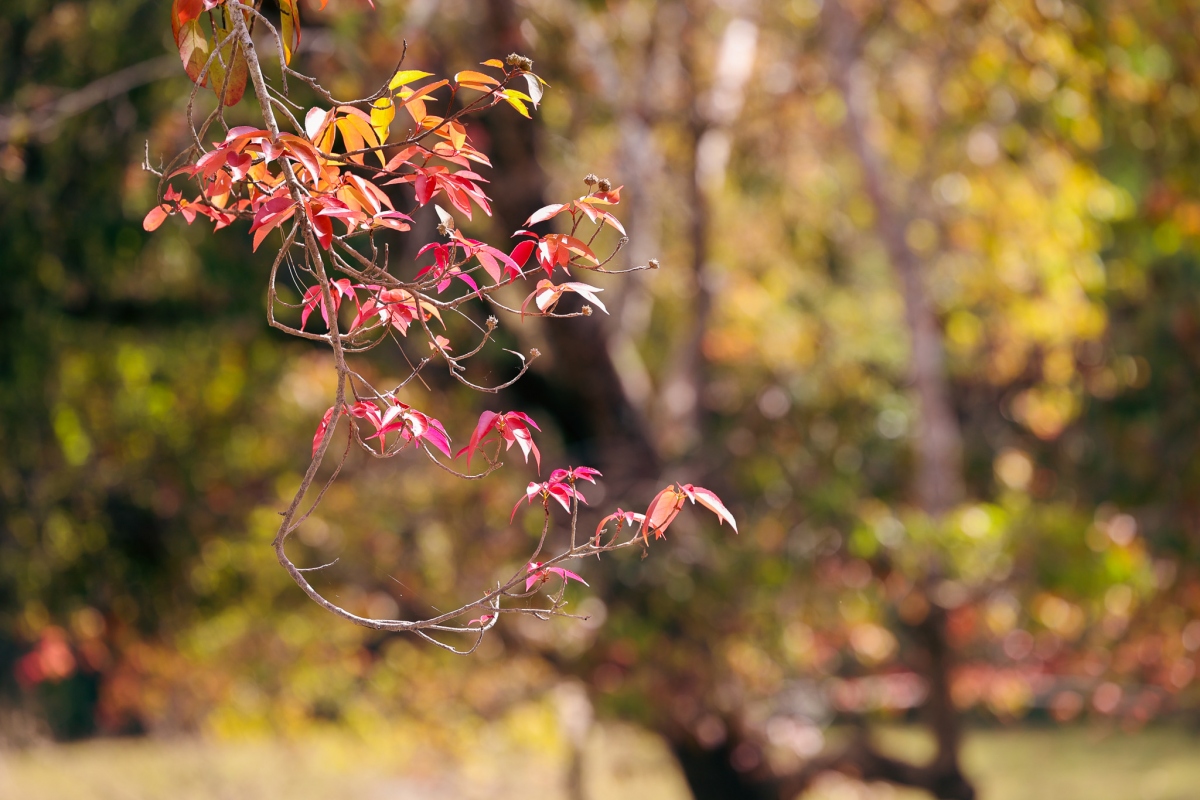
x=487, y=421
x=314, y=122
x=547, y=212
x=539, y=573
x=709, y=500
x=531, y=491
x=622, y=518
x=586, y=292
x=586, y=474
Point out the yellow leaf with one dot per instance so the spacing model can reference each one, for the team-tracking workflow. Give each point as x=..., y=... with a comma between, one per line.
x=405, y=77
x=494, y=62
x=382, y=113
x=517, y=104
x=289, y=16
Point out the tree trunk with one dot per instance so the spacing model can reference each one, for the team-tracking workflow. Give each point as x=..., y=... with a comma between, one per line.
x=710, y=774
x=938, y=480
x=585, y=397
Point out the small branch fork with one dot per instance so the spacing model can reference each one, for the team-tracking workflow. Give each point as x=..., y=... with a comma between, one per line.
x=309, y=254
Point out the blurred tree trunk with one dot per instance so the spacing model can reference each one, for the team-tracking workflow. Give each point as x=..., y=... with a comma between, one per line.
x=585, y=394
x=938, y=481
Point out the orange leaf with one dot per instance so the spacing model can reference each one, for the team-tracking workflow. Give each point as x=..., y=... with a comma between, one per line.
x=662, y=512
x=155, y=217
x=468, y=76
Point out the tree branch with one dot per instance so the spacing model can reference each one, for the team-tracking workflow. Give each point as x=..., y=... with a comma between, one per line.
x=39, y=124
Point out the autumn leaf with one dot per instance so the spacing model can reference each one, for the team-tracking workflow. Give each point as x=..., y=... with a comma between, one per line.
x=709, y=500
x=289, y=18
x=560, y=487
x=535, y=85
x=271, y=215
x=194, y=47
x=546, y=295
x=383, y=111
x=547, y=212
x=407, y=76
x=321, y=429
x=662, y=512
x=313, y=300
x=469, y=79
x=622, y=518
x=229, y=71
x=513, y=427
x=540, y=574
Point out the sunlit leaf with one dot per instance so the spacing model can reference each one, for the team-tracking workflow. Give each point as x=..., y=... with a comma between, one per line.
x=468, y=77
x=155, y=217
x=230, y=71
x=194, y=49
x=289, y=17
x=407, y=76
x=535, y=88
x=383, y=111
x=516, y=103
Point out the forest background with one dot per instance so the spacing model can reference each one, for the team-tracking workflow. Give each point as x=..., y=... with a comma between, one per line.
x=927, y=318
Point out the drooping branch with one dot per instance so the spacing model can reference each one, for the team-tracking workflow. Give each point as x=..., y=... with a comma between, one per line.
x=313, y=187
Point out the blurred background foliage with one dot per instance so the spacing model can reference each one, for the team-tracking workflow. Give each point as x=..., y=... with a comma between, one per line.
x=1037, y=159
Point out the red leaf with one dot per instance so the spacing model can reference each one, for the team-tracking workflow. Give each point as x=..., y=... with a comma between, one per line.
x=321, y=429
x=303, y=152
x=183, y=11
x=425, y=188
x=520, y=253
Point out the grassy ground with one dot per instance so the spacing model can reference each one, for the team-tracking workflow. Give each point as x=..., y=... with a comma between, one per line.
x=1161, y=764
x=1054, y=764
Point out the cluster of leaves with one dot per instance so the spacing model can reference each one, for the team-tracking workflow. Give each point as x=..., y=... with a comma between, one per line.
x=300, y=182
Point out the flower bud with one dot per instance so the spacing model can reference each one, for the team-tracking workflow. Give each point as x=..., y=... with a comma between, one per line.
x=653, y=263
x=605, y=185
x=590, y=179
